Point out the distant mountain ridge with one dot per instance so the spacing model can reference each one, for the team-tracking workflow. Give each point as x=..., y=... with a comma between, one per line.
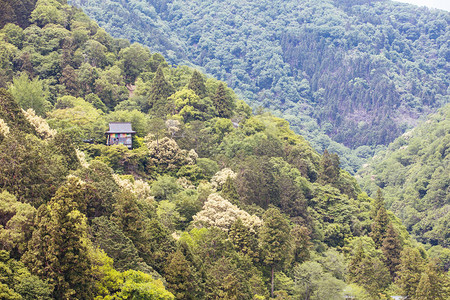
x=360, y=71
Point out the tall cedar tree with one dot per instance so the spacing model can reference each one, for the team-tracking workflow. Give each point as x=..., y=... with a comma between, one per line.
x=368, y=272
x=197, y=84
x=433, y=284
x=275, y=240
x=329, y=168
x=222, y=102
x=380, y=222
x=179, y=276
x=160, y=90
x=410, y=271
x=57, y=251
x=392, y=249
x=244, y=240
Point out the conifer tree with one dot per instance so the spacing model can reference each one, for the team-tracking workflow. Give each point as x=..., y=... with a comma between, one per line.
x=368, y=272
x=179, y=276
x=222, y=102
x=58, y=250
x=392, y=249
x=244, y=240
x=274, y=240
x=380, y=222
x=433, y=284
x=329, y=168
x=160, y=90
x=410, y=271
x=197, y=84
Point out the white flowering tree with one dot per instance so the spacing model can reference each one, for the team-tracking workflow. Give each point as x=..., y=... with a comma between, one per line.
x=219, y=212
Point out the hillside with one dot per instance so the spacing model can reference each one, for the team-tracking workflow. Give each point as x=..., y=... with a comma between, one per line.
x=212, y=202
x=358, y=72
x=414, y=176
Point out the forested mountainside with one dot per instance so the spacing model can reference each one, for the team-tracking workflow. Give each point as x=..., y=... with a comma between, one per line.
x=359, y=72
x=414, y=174
x=212, y=202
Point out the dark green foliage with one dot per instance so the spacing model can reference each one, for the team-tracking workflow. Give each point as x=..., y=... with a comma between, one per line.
x=62, y=143
x=300, y=243
x=101, y=189
x=11, y=113
x=107, y=236
x=329, y=168
x=222, y=102
x=380, y=227
x=30, y=169
x=16, y=282
x=160, y=90
x=179, y=276
x=244, y=240
x=57, y=251
x=197, y=84
x=16, y=11
x=392, y=249
x=229, y=191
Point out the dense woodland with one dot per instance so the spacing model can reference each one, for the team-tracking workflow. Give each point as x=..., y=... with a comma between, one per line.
x=213, y=202
x=356, y=73
x=414, y=176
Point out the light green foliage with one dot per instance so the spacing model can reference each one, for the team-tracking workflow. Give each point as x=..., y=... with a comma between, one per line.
x=141, y=286
x=190, y=106
x=139, y=121
x=312, y=282
x=48, y=11
x=433, y=284
x=30, y=94
x=165, y=187
x=16, y=282
x=412, y=173
x=78, y=118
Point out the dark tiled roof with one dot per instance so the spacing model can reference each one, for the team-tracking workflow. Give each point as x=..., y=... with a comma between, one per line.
x=120, y=127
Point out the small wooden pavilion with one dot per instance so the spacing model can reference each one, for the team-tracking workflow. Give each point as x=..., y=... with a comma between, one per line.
x=120, y=133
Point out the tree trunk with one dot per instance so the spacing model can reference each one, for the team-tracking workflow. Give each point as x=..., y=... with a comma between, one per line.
x=271, y=289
